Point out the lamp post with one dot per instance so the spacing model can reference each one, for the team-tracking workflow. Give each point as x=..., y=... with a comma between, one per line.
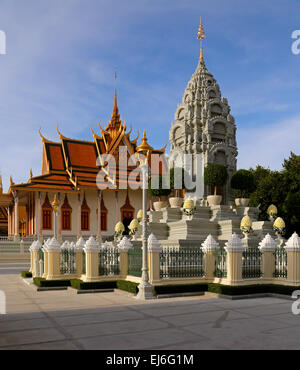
x=143, y=153
x=55, y=206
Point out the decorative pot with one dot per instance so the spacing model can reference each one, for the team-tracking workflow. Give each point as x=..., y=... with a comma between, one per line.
x=237, y=202
x=242, y=202
x=176, y=202
x=214, y=200
x=159, y=205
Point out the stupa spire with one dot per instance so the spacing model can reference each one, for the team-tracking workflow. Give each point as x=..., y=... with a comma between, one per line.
x=116, y=105
x=115, y=114
x=115, y=121
x=201, y=36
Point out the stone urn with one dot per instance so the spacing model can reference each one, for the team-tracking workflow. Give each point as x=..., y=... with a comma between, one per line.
x=214, y=200
x=242, y=202
x=159, y=205
x=176, y=202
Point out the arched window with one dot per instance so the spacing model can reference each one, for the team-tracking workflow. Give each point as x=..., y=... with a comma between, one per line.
x=66, y=215
x=47, y=214
x=103, y=215
x=127, y=214
x=215, y=110
x=85, y=216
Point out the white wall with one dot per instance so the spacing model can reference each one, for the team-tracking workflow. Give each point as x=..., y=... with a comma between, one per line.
x=135, y=197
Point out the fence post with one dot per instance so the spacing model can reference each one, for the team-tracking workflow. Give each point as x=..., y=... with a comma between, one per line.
x=79, y=258
x=154, y=249
x=292, y=247
x=92, y=249
x=34, y=256
x=41, y=268
x=124, y=246
x=209, y=248
x=31, y=250
x=53, y=250
x=46, y=264
x=234, y=248
x=267, y=247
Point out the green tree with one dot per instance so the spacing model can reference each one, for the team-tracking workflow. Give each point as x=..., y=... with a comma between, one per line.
x=243, y=183
x=291, y=204
x=258, y=173
x=215, y=175
x=281, y=188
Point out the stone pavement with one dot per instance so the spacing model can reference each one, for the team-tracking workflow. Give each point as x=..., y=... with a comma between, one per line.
x=62, y=320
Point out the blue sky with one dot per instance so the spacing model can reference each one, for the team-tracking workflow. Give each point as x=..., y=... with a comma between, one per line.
x=61, y=57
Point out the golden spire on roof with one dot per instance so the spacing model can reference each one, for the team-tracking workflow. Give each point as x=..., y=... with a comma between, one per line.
x=144, y=147
x=201, y=36
x=116, y=89
x=115, y=121
x=115, y=114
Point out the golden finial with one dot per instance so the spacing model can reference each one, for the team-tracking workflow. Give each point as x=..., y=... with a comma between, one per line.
x=55, y=203
x=31, y=175
x=144, y=147
x=11, y=181
x=201, y=36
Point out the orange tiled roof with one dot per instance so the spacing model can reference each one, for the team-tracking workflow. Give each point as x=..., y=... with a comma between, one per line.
x=80, y=154
x=56, y=157
x=70, y=164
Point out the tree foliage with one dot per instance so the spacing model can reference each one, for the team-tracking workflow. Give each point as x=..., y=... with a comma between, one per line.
x=243, y=183
x=281, y=188
x=215, y=175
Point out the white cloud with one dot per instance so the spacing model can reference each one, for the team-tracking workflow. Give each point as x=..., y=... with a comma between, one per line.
x=268, y=145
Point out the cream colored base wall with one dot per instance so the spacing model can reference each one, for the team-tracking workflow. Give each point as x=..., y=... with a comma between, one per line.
x=100, y=278
x=133, y=279
x=54, y=266
x=109, y=198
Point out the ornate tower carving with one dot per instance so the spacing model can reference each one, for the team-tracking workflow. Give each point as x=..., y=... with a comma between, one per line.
x=204, y=128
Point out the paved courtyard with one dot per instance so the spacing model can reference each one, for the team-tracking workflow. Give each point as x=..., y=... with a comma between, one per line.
x=62, y=320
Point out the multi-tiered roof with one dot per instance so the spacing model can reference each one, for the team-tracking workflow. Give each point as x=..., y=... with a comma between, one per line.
x=71, y=165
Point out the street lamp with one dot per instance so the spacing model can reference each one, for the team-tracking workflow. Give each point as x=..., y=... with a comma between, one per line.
x=55, y=207
x=143, y=153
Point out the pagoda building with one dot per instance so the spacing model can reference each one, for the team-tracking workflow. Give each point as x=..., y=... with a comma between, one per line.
x=93, y=195
x=204, y=129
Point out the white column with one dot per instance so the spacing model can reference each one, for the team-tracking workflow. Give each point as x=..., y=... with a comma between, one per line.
x=117, y=207
x=59, y=231
x=8, y=221
x=38, y=216
x=79, y=216
x=145, y=288
x=99, y=238
x=16, y=216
